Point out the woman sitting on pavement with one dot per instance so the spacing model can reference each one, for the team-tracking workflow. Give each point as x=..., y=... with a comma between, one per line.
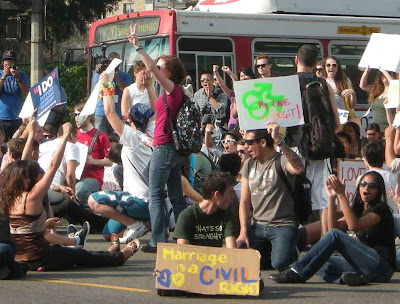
x=371, y=258
x=22, y=189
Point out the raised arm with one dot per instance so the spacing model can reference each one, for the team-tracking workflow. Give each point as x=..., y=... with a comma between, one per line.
x=354, y=223
x=151, y=66
x=109, y=109
x=389, y=145
x=295, y=165
x=42, y=186
x=31, y=128
x=228, y=71
x=364, y=81
x=220, y=81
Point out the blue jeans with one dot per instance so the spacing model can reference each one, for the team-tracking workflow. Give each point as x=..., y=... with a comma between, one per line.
x=165, y=169
x=84, y=188
x=7, y=254
x=356, y=257
x=280, y=241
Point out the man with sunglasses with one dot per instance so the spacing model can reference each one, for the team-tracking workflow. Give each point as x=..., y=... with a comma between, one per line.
x=264, y=65
x=211, y=101
x=273, y=231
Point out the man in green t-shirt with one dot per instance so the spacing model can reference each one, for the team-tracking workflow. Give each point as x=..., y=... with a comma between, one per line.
x=209, y=222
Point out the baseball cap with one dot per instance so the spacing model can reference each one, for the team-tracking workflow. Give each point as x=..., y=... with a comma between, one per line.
x=12, y=55
x=142, y=113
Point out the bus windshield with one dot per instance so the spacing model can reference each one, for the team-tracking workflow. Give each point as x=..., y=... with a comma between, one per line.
x=154, y=46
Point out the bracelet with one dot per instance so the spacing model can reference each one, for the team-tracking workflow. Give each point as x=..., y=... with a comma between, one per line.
x=18, y=80
x=106, y=89
x=139, y=48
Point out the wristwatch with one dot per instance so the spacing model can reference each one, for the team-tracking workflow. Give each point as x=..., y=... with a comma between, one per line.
x=139, y=48
x=3, y=78
x=281, y=143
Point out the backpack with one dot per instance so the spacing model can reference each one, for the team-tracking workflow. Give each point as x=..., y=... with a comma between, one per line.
x=186, y=134
x=317, y=135
x=301, y=194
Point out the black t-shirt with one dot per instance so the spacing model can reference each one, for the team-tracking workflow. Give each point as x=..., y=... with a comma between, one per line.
x=381, y=237
x=204, y=229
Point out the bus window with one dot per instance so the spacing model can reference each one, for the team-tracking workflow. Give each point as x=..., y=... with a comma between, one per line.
x=154, y=47
x=282, y=53
x=200, y=54
x=349, y=56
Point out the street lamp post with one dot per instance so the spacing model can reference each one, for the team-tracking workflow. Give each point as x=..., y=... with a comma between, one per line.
x=37, y=41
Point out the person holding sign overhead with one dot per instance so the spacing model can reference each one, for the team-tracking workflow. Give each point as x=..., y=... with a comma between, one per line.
x=377, y=95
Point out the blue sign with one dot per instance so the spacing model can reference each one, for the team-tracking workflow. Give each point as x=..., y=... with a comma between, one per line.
x=46, y=94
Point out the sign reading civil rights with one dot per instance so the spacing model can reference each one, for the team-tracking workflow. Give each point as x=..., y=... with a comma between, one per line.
x=275, y=99
x=46, y=94
x=208, y=270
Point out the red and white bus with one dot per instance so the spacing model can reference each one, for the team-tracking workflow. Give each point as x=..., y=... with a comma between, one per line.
x=234, y=32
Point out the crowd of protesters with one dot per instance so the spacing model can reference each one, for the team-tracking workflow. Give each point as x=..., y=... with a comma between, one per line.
x=134, y=181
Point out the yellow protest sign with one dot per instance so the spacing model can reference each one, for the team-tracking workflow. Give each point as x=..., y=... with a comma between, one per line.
x=208, y=270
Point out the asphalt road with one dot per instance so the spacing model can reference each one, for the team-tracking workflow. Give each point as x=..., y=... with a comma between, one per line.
x=133, y=283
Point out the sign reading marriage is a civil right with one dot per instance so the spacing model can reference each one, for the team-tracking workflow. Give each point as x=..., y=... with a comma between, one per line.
x=208, y=270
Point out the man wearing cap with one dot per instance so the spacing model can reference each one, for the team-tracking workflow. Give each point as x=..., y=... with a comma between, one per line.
x=128, y=208
x=14, y=85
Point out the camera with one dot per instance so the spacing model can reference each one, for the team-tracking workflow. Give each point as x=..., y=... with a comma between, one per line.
x=13, y=66
x=104, y=64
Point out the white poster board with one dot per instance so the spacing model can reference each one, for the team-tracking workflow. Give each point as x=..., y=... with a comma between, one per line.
x=83, y=150
x=392, y=95
x=343, y=116
x=265, y=100
x=382, y=51
x=90, y=105
x=349, y=170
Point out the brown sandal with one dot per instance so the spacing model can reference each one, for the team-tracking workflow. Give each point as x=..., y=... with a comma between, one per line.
x=134, y=246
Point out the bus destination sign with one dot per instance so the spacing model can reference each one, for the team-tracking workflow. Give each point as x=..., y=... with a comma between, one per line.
x=358, y=30
x=119, y=30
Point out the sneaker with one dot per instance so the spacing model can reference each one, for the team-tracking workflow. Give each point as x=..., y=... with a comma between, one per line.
x=82, y=234
x=71, y=231
x=287, y=276
x=149, y=249
x=353, y=279
x=139, y=229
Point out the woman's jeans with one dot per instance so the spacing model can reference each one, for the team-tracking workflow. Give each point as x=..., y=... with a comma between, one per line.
x=7, y=254
x=165, y=169
x=60, y=257
x=356, y=257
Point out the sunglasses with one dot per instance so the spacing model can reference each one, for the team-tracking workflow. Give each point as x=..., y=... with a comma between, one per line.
x=48, y=136
x=205, y=79
x=263, y=65
x=370, y=185
x=160, y=67
x=334, y=65
x=319, y=69
x=249, y=142
x=240, y=151
x=228, y=141
x=77, y=114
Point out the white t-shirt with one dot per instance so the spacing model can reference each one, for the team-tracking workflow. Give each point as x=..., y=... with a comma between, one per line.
x=138, y=96
x=46, y=151
x=135, y=157
x=390, y=181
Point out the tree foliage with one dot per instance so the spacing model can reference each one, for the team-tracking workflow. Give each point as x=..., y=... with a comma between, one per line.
x=65, y=17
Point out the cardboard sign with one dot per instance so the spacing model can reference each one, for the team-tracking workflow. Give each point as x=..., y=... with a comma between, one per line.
x=392, y=101
x=269, y=99
x=90, y=105
x=350, y=170
x=382, y=52
x=208, y=270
